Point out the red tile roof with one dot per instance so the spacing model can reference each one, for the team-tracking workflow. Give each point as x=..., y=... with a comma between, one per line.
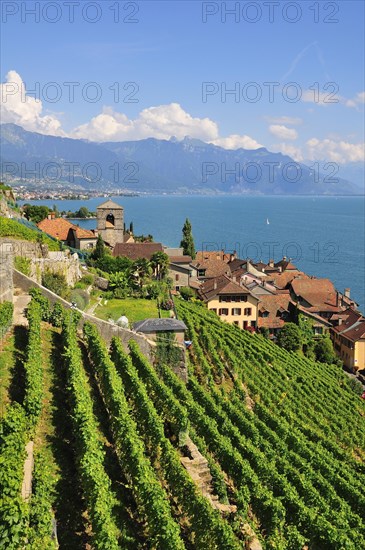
x=352, y=326
x=180, y=259
x=319, y=293
x=212, y=255
x=282, y=280
x=57, y=228
x=135, y=251
x=213, y=268
x=275, y=305
x=220, y=286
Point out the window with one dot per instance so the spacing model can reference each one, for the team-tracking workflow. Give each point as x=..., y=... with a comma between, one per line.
x=177, y=277
x=236, y=311
x=223, y=311
x=248, y=311
x=177, y=288
x=214, y=309
x=264, y=313
x=201, y=272
x=253, y=324
x=236, y=323
x=245, y=324
x=224, y=298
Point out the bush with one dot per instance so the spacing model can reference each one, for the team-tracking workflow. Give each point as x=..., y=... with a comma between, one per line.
x=37, y=295
x=56, y=282
x=187, y=293
x=265, y=332
x=57, y=315
x=323, y=350
x=22, y=265
x=290, y=337
x=80, y=297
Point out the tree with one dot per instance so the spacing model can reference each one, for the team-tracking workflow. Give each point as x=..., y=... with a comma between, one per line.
x=186, y=293
x=323, y=350
x=187, y=242
x=160, y=264
x=99, y=251
x=290, y=337
x=83, y=212
x=36, y=213
x=142, y=269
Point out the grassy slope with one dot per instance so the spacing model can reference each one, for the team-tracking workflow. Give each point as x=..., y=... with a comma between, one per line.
x=15, y=230
x=135, y=309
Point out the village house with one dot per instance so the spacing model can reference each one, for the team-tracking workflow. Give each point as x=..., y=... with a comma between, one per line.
x=274, y=311
x=348, y=337
x=210, y=268
x=70, y=234
x=181, y=272
x=316, y=296
x=231, y=301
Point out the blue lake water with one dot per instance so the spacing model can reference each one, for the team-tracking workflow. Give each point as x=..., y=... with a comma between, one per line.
x=323, y=235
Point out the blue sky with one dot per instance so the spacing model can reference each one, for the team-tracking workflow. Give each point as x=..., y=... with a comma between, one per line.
x=166, y=57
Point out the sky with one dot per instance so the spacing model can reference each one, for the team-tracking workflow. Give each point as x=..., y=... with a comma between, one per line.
x=288, y=76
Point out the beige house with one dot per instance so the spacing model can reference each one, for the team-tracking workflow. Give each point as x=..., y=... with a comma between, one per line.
x=231, y=301
x=181, y=272
x=348, y=339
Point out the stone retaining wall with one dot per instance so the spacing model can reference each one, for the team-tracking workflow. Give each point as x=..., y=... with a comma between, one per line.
x=6, y=269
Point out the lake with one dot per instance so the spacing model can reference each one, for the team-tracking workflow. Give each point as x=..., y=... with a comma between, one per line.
x=324, y=236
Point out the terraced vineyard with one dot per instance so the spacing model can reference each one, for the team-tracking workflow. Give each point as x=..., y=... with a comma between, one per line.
x=281, y=441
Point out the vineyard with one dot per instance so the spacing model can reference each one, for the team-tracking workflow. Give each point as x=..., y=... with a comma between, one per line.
x=283, y=439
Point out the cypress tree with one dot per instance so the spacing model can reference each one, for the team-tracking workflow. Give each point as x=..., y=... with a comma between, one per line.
x=187, y=242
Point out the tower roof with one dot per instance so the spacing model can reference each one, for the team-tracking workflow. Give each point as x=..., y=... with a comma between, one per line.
x=110, y=205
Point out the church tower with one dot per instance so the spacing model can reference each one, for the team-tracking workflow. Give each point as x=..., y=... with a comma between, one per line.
x=110, y=222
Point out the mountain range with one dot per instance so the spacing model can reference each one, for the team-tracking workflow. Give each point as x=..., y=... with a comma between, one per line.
x=154, y=166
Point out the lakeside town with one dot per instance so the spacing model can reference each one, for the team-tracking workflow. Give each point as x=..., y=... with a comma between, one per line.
x=263, y=296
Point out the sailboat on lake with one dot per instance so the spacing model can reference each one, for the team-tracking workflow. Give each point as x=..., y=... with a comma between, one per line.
x=267, y=221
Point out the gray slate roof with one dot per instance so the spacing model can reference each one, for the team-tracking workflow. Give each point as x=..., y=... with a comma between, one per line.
x=159, y=325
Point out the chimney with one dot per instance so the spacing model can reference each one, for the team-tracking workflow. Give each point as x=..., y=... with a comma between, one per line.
x=284, y=258
x=215, y=285
x=340, y=321
x=234, y=279
x=271, y=263
x=347, y=292
x=280, y=269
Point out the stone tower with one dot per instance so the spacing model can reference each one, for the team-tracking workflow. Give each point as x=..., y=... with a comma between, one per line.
x=110, y=218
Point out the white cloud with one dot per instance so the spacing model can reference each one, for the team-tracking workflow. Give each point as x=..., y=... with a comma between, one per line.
x=335, y=151
x=236, y=141
x=288, y=149
x=19, y=108
x=283, y=132
x=160, y=122
x=357, y=100
x=293, y=121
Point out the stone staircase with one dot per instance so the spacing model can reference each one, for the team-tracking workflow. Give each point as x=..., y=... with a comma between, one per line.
x=198, y=469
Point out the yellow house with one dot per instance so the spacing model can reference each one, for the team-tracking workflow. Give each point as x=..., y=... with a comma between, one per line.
x=231, y=301
x=348, y=339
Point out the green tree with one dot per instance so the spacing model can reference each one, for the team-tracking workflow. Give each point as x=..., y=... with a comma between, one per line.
x=290, y=337
x=36, y=213
x=83, y=212
x=160, y=264
x=187, y=242
x=142, y=269
x=99, y=251
x=186, y=293
x=323, y=350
